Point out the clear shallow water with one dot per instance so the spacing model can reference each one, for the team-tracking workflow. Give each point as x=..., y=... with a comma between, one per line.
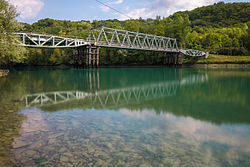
x=125, y=117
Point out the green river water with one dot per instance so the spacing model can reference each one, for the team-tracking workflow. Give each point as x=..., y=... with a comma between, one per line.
x=125, y=117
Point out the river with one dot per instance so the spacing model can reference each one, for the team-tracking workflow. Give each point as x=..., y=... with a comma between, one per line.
x=125, y=117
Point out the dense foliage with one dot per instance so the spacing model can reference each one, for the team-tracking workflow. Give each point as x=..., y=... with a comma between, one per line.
x=220, y=14
x=222, y=28
x=9, y=50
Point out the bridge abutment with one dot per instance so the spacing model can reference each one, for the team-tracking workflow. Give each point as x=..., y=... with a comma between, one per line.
x=86, y=56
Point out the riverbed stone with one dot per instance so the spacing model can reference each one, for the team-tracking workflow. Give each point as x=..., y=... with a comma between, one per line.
x=64, y=159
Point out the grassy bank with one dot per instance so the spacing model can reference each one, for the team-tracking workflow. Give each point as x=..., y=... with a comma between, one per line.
x=222, y=59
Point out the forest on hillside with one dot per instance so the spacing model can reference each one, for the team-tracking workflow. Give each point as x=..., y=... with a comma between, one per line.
x=222, y=28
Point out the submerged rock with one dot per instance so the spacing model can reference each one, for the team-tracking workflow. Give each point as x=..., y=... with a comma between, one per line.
x=20, y=143
x=145, y=165
x=64, y=159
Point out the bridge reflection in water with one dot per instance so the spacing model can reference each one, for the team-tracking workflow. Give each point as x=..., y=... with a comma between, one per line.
x=115, y=96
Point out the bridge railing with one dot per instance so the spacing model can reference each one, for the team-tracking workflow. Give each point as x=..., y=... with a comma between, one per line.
x=47, y=41
x=193, y=53
x=109, y=37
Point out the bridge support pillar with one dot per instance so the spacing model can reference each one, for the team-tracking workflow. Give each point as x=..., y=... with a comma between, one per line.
x=180, y=58
x=173, y=59
x=86, y=57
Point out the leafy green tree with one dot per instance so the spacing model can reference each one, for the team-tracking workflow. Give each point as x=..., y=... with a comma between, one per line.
x=212, y=41
x=132, y=25
x=177, y=26
x=226, y=41
x=246, y=38
x=10, y=52
x=193, y=40
x=56, y=57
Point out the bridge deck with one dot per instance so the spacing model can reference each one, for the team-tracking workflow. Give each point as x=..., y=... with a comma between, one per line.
x=109, y=38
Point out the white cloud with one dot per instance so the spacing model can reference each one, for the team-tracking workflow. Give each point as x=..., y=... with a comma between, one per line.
x=166, y=8
x=28, y=9
x=117, y=2
x=106, y=9
x=127, y=8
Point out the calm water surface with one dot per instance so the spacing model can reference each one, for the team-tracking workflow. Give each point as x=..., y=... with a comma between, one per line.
x=125, y=117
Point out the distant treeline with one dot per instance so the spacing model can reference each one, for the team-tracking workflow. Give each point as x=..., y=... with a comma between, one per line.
x=222, y=28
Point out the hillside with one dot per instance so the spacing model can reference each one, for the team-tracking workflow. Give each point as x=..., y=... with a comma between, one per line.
x=219, y=15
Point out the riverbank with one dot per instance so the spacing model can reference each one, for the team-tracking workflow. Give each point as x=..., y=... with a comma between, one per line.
x=219, y=61
x=244, y=66
x=223, y=59
x=213, y=61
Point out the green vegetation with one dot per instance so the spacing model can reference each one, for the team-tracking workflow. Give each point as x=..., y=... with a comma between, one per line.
x=222, y=28
x=218, y=59
x=223, y=59
x=10, y=52
x=219, y=15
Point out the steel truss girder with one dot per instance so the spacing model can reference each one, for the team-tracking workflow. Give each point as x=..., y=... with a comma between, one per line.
x=193, y=53
x=109, y=37
x=48, y=41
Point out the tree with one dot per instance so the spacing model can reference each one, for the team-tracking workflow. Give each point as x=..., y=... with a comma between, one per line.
x=10, y=52
x=193, y=40
x=132, y=25
x=177, y=26
x=246, y=39
x=56, y=57
x=212, y=41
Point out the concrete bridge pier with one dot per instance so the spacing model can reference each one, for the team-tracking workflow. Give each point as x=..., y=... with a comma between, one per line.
x=173, y=59
x=86, y=56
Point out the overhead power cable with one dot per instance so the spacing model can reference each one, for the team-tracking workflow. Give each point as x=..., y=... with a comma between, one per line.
x=113, y=9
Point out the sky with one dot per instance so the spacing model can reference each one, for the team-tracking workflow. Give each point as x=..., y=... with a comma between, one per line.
x=31, y=11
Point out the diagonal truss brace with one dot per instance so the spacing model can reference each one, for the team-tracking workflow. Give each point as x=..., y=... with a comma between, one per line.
x=109, y=37
x=193, y=53
x=48, y=41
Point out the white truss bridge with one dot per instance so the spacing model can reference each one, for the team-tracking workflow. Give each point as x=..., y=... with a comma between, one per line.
x=109, y=38
x=113, y=97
